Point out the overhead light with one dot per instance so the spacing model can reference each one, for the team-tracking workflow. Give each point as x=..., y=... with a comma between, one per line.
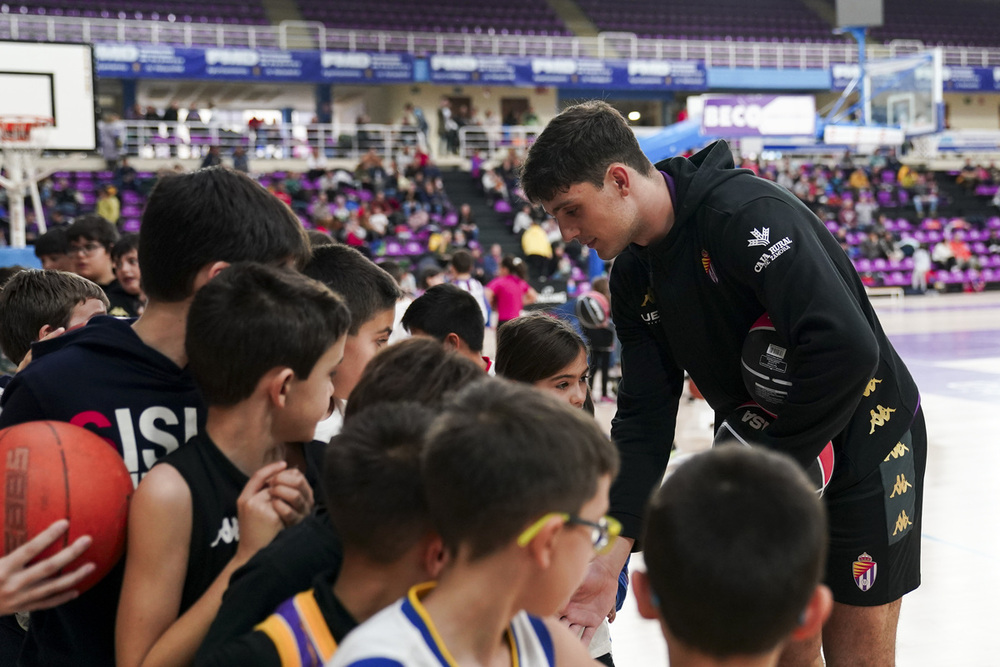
x=634, y=116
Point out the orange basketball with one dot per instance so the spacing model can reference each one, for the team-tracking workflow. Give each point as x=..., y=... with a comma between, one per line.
x=54, y=470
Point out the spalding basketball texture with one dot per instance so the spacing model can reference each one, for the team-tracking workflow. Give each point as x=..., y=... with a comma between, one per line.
x=743, y=426
x=54, y=470
x=765, y=365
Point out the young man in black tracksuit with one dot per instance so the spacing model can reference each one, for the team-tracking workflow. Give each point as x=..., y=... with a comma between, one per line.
x=703, y=250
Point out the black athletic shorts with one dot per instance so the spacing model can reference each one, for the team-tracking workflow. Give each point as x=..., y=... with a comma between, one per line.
x=875, y=524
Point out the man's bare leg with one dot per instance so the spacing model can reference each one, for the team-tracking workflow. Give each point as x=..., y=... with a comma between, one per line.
x=861, y=636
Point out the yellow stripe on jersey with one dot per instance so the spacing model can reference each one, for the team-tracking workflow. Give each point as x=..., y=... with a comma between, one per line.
x=419, y=591
x=315, y=624
x=276, y=628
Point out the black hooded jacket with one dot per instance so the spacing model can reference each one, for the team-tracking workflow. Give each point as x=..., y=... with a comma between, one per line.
x=741, y=246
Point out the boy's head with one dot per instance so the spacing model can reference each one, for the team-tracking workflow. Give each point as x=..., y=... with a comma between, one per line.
x=461, y=262
x=578, y=146
x=197, y=219
x=254, y=324
x=735, y=544
x=416, y=369
x=90, y=239
x=370, y=294
x=125, y=258
x=508, y=468
x=374, y=491
x=33, y=303
x=52, y=248
x=449, y=314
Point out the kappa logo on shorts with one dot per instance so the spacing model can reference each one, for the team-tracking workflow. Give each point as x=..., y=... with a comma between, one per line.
x=864, y=570
x=900, y=487
x=759, y=237
x=903, y=523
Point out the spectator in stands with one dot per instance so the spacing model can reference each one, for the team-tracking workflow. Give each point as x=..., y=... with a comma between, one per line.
x=921, y=267
x=537, y=249
x=925, y=196
x=108, y=206
x=447, y=127
x=112, y=134
x=212, y=158
x=866, y=208
x=494, y=188
x=848, y=217
x=491, y=262
x=523, y=219
x=942, y=255
x=125, y=176
x=241, y=161
x=874, y=246
x=968, y=177
x=961, y=251
x=467, y=222
x=152, y=114
x=858, y=180
x=193, y=115
x=993, y=242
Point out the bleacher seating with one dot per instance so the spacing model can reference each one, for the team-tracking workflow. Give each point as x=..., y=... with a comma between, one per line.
x=529, y=17
x=763, y=20
x=959, y=22
x=243, y=12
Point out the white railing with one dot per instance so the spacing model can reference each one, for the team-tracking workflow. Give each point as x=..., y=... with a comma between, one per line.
x=314, y=35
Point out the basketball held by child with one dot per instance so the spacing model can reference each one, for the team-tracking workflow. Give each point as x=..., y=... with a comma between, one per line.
x=766, y=372
x=745, y=427
x=54, y=470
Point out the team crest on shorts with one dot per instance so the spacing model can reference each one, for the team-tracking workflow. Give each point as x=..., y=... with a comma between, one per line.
x=865, y=571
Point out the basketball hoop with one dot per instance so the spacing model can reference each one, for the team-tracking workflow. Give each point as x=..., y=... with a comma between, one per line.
x=22, y=139
x=21, y=131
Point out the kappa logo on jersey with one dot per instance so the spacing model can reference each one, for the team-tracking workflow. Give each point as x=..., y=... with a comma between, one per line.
x=759, y=237
x=872, y=386
x=865, y=570
x=899, y=450
x=229, y=532
x=772, y=254
x=706, y=263
x=881, y=417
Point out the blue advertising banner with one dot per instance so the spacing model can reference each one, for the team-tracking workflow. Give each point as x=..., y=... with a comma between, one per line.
x=569, y=72
x=149, y=61
x=971, y=79
x=956, y=78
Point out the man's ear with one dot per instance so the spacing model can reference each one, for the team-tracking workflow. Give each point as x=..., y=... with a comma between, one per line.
x=44, y=331
x=620, y=177
x=815, y=614
x=644, y=596
x=277, y=382
x=207, y=272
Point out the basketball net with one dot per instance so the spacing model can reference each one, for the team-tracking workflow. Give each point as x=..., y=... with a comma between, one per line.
x=22, y=139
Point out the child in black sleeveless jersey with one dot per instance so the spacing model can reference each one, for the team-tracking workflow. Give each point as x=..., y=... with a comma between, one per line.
x=264, y=345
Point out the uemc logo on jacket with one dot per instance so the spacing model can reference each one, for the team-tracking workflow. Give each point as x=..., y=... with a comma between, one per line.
x=144, y=439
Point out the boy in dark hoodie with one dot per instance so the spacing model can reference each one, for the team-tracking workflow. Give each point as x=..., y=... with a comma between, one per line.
x=703, y=250
x=127, y=382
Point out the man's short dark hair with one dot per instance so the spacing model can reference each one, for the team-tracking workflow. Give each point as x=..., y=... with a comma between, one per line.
x=366, y=287
x=536, y=346
x=93, y=228
x=416, y=369
x=578, y=146
x=445, y=309
x=212, y=215
x=374, y=492
x=52, y=242
x=503, y=454
x=735, y=545
x=126, y=244
x=33, y=298
x=252, y=318
x=393, y=268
